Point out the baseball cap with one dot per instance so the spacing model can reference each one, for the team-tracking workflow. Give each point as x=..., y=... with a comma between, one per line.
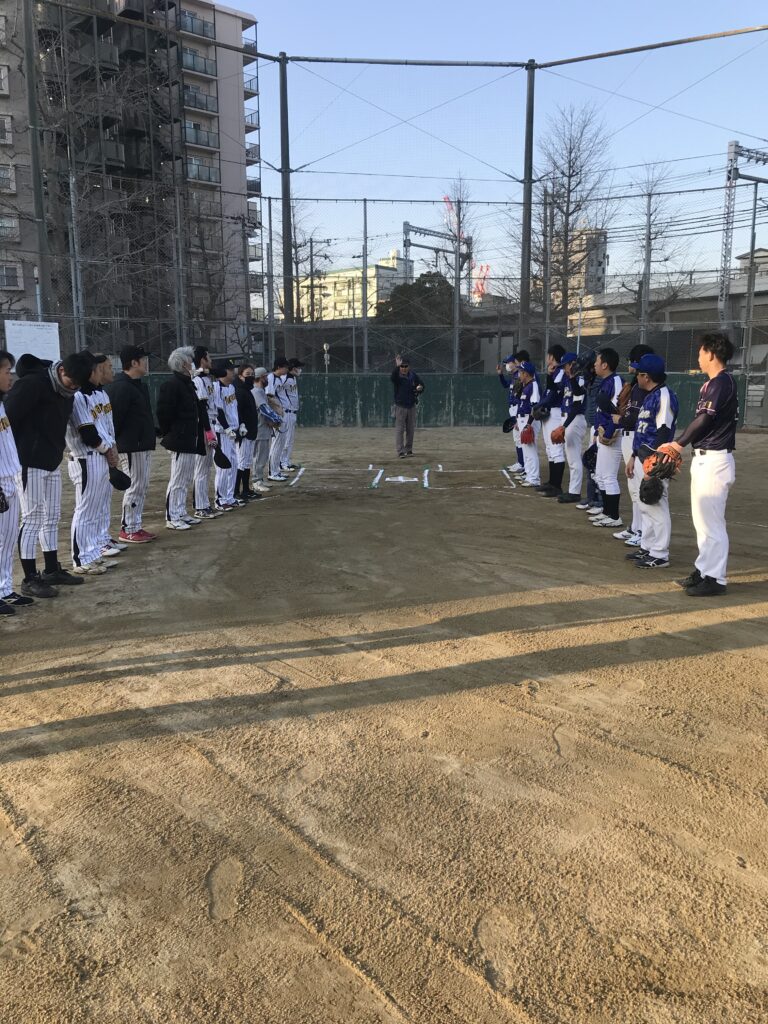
x=528, y=367
x=130, y=352
x=221, y=367
x=295, y=364
x=510, y=358
x=569, y=357
x=261, y=371
x=650, y=363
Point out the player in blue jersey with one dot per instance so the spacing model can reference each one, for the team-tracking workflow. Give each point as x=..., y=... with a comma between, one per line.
x=574, y=425
x=607, y=436
x=550, y=415
x=509, y=378
x=712, y=435
x=656, y=421
x=528, y=426
x=630, y=402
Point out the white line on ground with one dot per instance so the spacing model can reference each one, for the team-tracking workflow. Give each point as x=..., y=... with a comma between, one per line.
x=297, y=477
x=510, y=481
x=439, y=467
x=425, y=478
x=377, y=478
x=400, y=479
x=370, y=466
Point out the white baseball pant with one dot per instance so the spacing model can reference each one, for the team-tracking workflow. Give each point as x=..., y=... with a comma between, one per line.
x=531, y=457
x=608, y=466
x=574, y=449
x=245, y=451
x=90, y=476
x=137, y=465
x=712, y=476
x=290, y=438
x=40, y=499
x=202, y=479
x=225, y=478
x=9, y=525
x=182, y=474
x=276, y=448
x=555, y=452
x=656, y=523
x=633, y=483
x=261, y=457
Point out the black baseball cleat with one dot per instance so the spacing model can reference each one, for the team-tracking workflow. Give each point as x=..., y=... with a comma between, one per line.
x=690, y=580
x=62, y=578
x=652, y=563
x=409, y=454
x=707, y=587
x=36, y=586
x=402, y=455
x=5, y=609
x=550, y=491
x=569, y=499
x=638, y=555
x=18, y=600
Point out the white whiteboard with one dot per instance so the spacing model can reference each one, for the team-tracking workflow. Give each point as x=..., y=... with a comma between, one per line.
x=36, y=337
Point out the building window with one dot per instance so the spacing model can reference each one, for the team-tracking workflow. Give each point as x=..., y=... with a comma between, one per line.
x=10, y=276
x=4, y=80
x=6, y=130
x=2, y=30
x=7, y=178
x=9, y=226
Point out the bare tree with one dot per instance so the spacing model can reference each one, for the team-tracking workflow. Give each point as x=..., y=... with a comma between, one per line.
x=310, y=258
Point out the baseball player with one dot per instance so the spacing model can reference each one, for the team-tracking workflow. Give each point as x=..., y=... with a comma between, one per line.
x=277, y=399
x=510, y=380
x=227, y=430
x=530, y=428
x=574, y=426
x=656, y=421
x=134, y=425
x=104, y=375
x=38, y=407
x=203, y=383
x=630, y=402
x=550, y=415
x=269, y=421
x=606, y=434
x=291, y=386
x=593, y=502
x=10, y=468
x=712, y=434
x=91, y=453
x=182, y=429
x=247, y=432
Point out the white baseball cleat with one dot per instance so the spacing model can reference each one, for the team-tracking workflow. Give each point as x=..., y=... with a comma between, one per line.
x=624, y=534
x=177, y=524
x=92, y=569
x=109, y=552
x=529, y=483
x=607, y=521
x=517, y=468
x=279, y=478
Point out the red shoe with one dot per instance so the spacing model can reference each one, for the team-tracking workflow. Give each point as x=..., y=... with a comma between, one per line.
x=140, y=537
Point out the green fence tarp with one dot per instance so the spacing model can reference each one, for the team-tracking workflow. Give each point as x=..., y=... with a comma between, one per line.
x=449, y=400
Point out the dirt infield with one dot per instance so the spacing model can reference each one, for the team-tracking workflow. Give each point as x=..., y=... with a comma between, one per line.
x=423, y=751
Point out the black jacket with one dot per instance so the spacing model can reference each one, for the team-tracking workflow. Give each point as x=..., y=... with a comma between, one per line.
x=132, y=414
x=405, y=388
x=246, y=409
x=38, y=415
x=182, y=427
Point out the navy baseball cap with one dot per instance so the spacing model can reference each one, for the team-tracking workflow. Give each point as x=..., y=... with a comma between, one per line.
x=510, y=359
x=221, y=367
x=569, y=357
x=528, y=368
x=650, y=363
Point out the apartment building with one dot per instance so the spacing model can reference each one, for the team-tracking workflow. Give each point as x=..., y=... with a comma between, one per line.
x=338, y=294
x=148, y=124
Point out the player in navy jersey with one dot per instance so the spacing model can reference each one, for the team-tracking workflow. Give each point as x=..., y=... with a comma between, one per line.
x=712, y=435
x=529, y=398
x=606, y=434
x=509, y=378
x=626, y=421
x=575, y=425
x=655, y=426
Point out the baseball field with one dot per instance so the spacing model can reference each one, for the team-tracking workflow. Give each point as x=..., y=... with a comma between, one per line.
x=400, y=743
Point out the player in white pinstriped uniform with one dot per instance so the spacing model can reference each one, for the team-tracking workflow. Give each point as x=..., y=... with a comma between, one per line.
x=276, y=393
x=10, y=468
x=291, y=390
x=228, y=423
x=104, y=375
x=204, y=388
x=90, y=457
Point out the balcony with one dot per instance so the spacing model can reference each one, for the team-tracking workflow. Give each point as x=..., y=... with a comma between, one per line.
x=200, y=65
x=200, y=101
x=251, y=121
x=203, y=173
x=102, y=10
x=47, y=18
x=201, y=137
x=135, y=122
x=255, y=251
x=256, y=282
x=104, y=58
x=252, y=154
x=204, y=209
x=102, y=106
x=253, y=220
x=138, y=156
x=196, y=26
x=132, y=41
x=251, y=53
x=112, y=153
x=250, y=87
x=133, y=9
x=253, y=188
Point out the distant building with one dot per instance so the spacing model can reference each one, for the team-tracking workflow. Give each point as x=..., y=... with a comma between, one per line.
x=338, y=294
x=587, y=265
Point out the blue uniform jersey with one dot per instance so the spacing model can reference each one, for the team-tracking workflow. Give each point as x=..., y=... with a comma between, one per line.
x=553, y=394
x=656, y=420
x=574, y=396
x=509, y=383
x=717, y=416
x=607, y=396
x=529, y=397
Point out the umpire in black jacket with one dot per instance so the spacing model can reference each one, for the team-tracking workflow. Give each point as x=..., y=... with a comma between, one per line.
x=182, y=424
x=135, y=436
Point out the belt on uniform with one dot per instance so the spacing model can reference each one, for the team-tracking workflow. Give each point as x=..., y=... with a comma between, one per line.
x=76, y=458
x=626, y=433
x=710, y=451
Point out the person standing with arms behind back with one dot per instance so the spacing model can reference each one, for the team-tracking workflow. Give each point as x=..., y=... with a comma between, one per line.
x=712, y=433
x=182, y=433
x=408, y=386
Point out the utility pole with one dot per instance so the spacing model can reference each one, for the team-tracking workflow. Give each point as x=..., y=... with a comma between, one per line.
x=270, y=288
x=365, y=286
x=247, y=266
x=285, y=179
x=43, y=254
x=525, y=249
x=547, y=270
x=748, y=312
x=457, y=289
x=311, y=280
x=645, y=291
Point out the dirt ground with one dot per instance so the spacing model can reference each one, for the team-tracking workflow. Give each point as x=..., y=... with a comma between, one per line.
x=391, y=754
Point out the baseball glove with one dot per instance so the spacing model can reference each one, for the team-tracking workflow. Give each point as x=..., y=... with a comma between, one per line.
x=558, y=435
x=601, y=436
x=589, y=458
x=509, y=424
x=527, y=436
x=540, y=413
x=119, y=480
x=651, y=490
x=221, y=460
x=517, y=387
x=4, y=506
x=664, y=463
x=623, y=400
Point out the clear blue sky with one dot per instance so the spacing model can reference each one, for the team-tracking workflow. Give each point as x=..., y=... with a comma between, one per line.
x=488, y=124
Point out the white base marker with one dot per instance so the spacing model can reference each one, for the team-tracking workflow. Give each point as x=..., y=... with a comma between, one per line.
x=377, y=478
x=510, y=481
x=298, y=477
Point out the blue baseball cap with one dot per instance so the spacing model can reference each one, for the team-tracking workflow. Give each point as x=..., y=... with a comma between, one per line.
x=528, y=368
x=650, y=363
x=510, y=359
x=569, y=357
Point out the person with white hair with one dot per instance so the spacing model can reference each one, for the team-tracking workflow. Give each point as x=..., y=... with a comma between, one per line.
x=182, y=429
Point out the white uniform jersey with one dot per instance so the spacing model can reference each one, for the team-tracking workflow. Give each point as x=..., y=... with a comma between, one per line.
x=9, y=458
x=204, y=387
x=276, y=386
x=100, y=403
x=84, y=412
x=291, y=393
x=226, y=399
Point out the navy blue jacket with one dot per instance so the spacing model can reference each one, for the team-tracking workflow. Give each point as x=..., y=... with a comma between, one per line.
x=405, y=388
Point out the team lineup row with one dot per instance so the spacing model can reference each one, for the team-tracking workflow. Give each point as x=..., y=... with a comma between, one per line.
x=103, y=426
x=629, y=427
